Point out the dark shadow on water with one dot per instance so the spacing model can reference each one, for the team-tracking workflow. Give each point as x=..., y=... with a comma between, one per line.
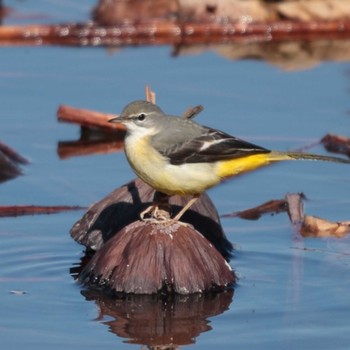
x=158, y=321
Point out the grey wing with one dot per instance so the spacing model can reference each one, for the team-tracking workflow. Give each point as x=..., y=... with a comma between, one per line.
x=211, y=146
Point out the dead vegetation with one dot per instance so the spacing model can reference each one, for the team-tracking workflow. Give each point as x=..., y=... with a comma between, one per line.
x=292, y=34
x=303, y=225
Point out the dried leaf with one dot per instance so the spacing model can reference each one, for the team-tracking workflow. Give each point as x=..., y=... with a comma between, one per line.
x=313, y=226
x=271, y=207
x=150, y=95
x=337, y=144
x=12, y=155
x=192, y=112
x=295, y=210
x=315, y=10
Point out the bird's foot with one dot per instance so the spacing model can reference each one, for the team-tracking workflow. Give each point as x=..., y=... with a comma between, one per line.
x=161, y=216
x=156, y=214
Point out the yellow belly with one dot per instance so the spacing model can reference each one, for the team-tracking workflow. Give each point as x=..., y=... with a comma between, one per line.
x=189, y=178
x=156, y=171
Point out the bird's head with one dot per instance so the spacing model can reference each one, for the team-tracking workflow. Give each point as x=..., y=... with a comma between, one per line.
x=139, y=115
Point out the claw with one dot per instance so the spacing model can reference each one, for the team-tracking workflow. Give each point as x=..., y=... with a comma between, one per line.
x=161, y=216
x=156, y=214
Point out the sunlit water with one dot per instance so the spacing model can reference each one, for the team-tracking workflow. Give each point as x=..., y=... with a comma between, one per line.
x=292, y=293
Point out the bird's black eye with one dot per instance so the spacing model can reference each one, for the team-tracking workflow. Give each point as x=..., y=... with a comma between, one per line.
x=141, y=117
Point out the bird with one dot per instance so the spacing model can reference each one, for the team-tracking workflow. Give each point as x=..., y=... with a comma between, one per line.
x=178, y=156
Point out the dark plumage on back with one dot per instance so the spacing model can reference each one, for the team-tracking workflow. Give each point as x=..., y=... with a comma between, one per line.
x=208, y=145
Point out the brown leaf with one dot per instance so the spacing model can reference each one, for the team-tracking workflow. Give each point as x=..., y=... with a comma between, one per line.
x=192, y=112
x=271, y=207
x=12, y=155
x=295, y=210
x=313, y=226
x=150, y=95
x=337, y=144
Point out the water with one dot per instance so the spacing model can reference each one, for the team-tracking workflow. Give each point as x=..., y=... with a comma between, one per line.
x=291, y=293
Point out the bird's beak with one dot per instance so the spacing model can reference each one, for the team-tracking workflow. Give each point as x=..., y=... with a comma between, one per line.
x=119, y=119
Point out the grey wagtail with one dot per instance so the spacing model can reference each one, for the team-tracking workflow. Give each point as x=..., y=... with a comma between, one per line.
x=179, y=156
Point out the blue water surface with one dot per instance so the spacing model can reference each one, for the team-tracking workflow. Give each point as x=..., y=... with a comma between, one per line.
x=292, y=292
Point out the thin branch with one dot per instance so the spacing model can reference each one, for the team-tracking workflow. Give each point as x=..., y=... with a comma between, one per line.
x=19, y=210
x=271, y=207
x=160, y=32
x=191, y=112
x=150, y=95
x=87, y=118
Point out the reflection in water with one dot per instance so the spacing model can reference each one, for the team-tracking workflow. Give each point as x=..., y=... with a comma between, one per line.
x=159, y=321
x=91, y=141
x=156, y=321
x=294, y=53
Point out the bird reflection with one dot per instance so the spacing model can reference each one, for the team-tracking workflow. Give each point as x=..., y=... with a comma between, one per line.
x=159, y=321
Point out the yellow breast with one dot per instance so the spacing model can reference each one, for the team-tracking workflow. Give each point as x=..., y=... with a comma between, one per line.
x=156, y=170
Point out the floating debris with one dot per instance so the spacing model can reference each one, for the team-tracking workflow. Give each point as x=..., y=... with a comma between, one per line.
x=270, y=207
x=18, y=292
x=337, y=144
x=20, y=210
x=313, y=226
x=9, y=163
x=304, y=225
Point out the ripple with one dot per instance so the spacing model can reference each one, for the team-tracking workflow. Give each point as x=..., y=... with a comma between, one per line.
x=34, y=261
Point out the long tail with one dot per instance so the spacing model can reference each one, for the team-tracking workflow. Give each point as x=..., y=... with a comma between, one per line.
x=306, y=156
x=236, y=166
